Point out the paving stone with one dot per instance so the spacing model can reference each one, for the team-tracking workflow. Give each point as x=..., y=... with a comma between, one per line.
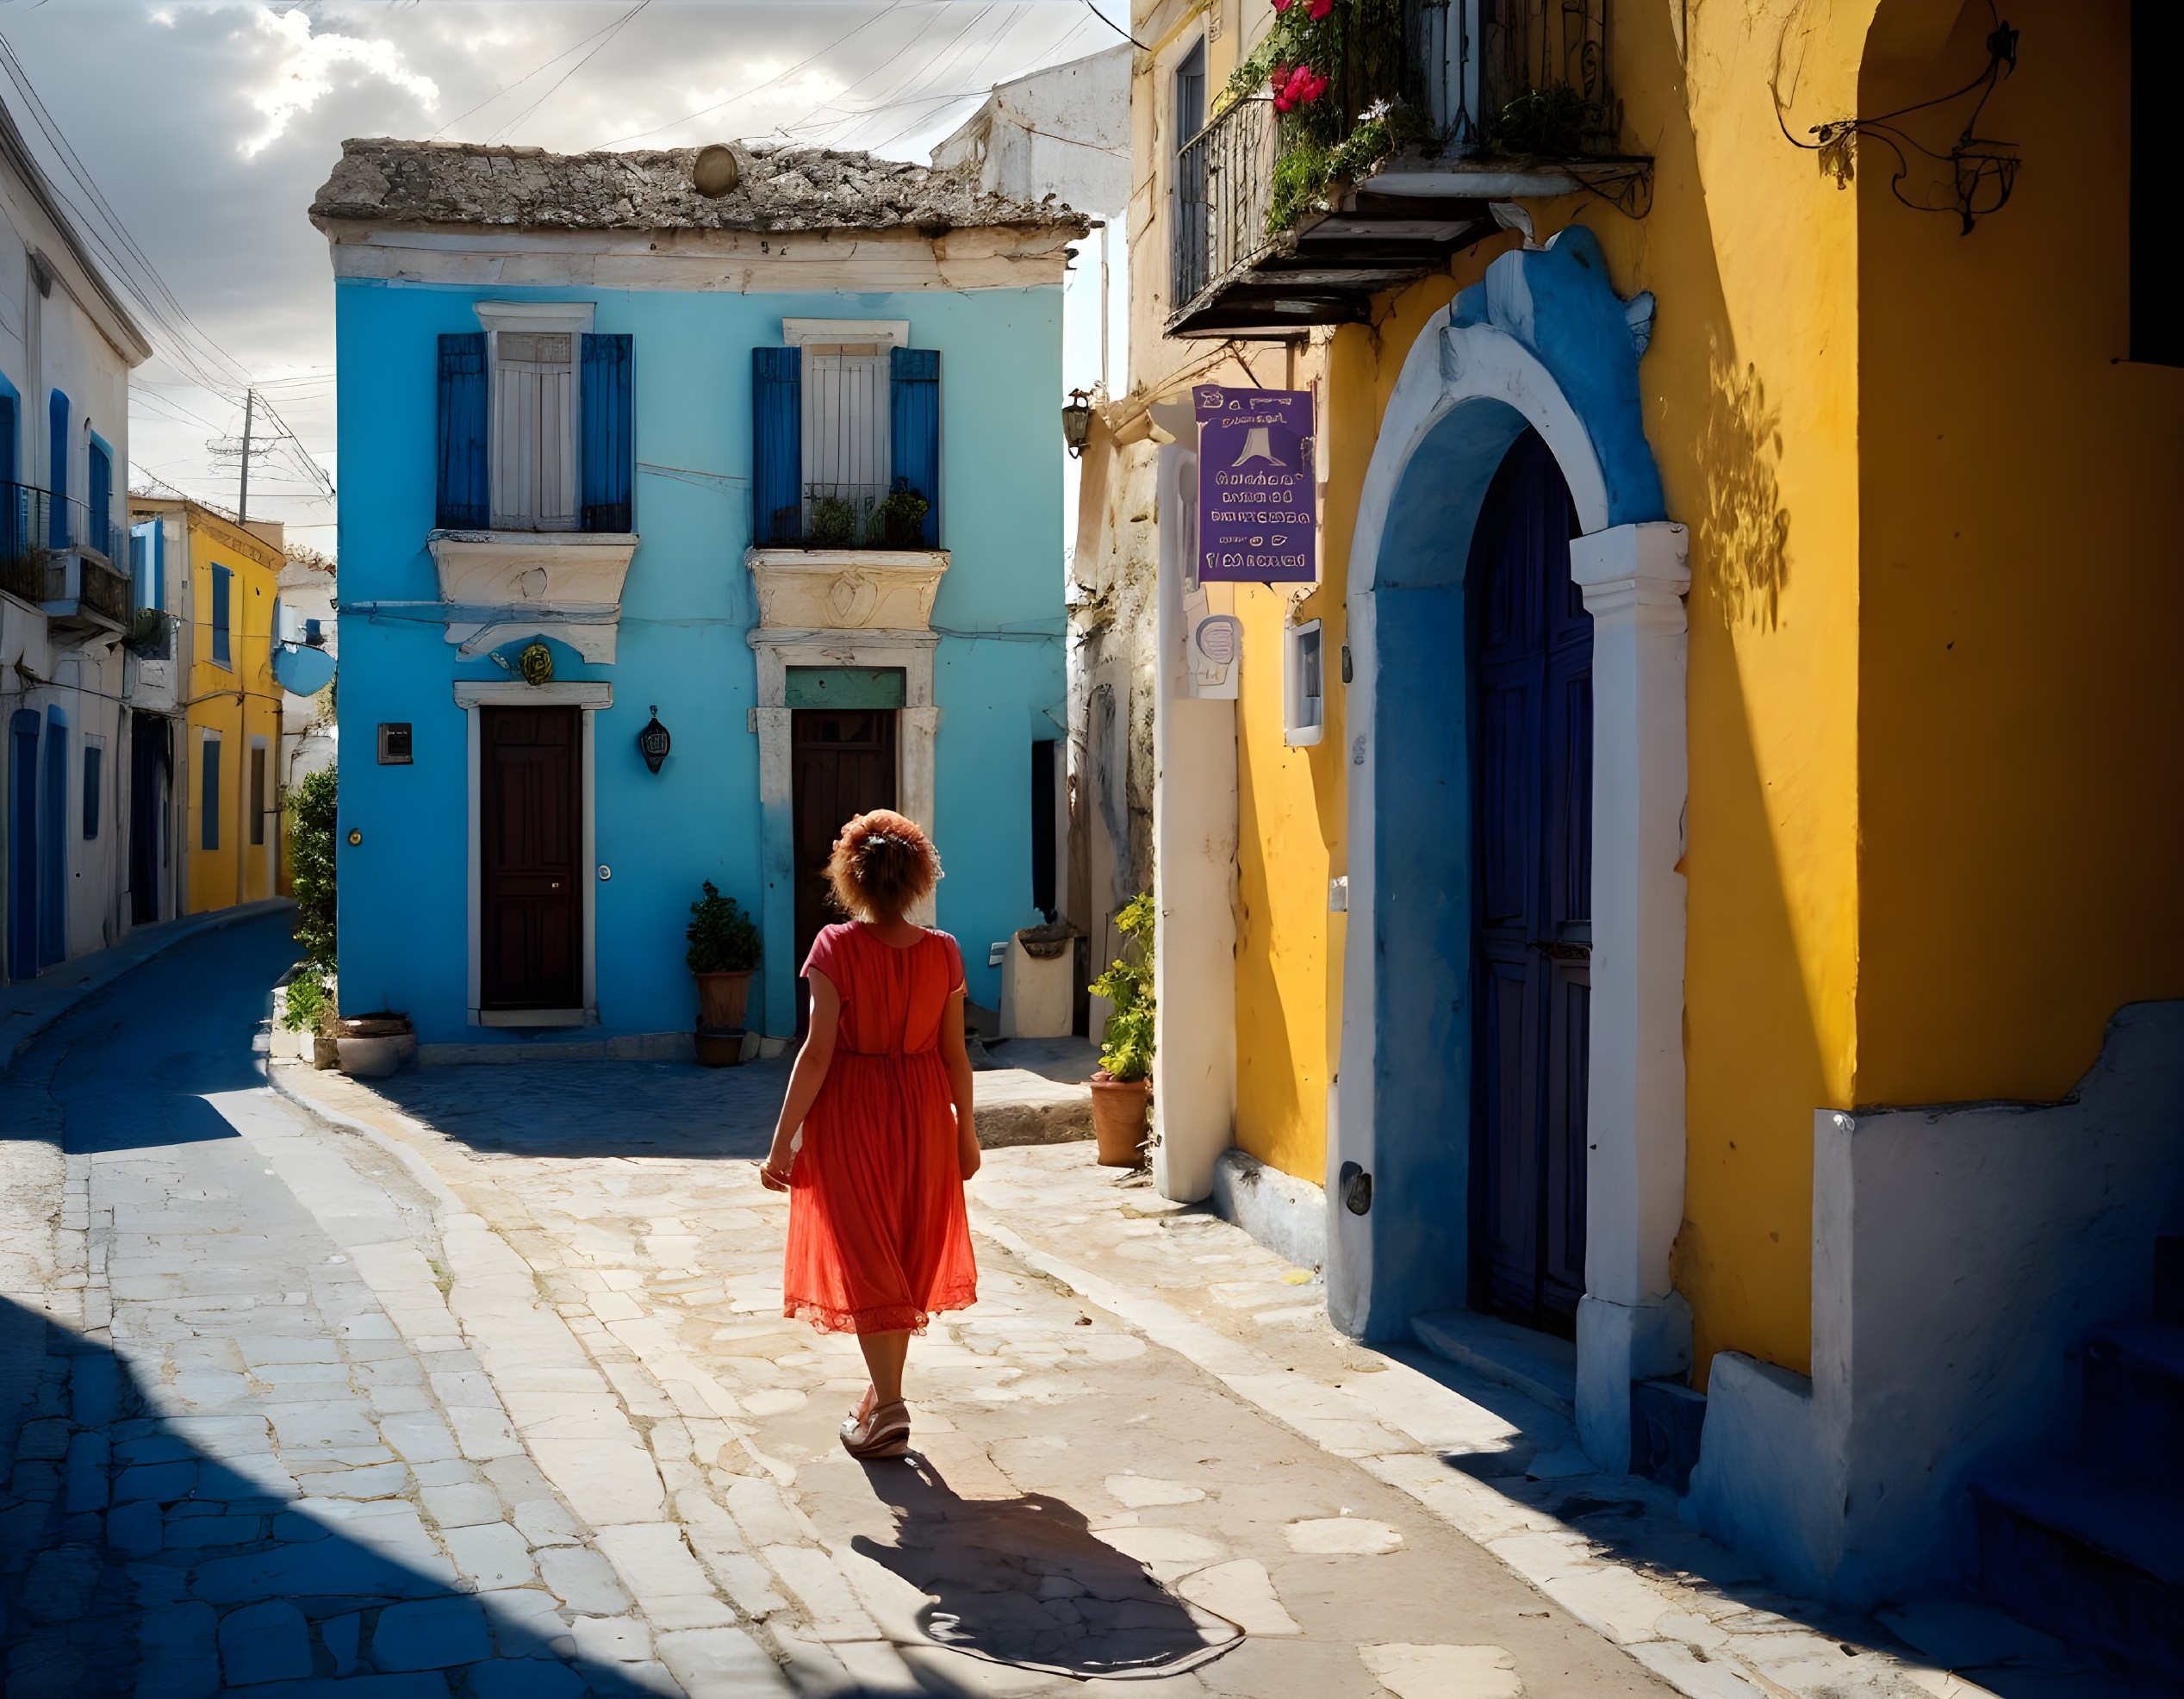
x=492, y=1554
x=343, y=1638
x=1444, y=1671
x=582, y=1580
x=162, y=1482
x=462, y=1504
x=419, y=1438
x=178, y=1653
x=1331, y=1536
x=507, y=1679
x=322, y=1422
x=544, y=1522
x=263, y=1642
x=1242, y=1592
x=430, y=1634
x=722, y=1664
x=611, y=1638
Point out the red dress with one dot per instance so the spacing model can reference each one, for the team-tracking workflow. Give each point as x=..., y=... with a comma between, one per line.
x=877, y=1236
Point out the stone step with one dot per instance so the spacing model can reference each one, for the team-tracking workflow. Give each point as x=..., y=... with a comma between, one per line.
x=2134, y=1399
x=2095, y=1559
x=1542, y=1366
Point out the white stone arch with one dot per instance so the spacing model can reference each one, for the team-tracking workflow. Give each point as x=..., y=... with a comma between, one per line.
x=1480, y=372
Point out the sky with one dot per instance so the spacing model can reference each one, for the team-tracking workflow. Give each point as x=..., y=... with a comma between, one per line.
x=207, y=125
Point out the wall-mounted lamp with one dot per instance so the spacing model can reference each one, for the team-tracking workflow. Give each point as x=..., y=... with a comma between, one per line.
x=1076, y=422
x=653, y=742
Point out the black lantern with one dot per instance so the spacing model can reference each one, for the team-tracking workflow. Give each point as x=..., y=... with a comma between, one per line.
x=653, y=742
x=1076, y=423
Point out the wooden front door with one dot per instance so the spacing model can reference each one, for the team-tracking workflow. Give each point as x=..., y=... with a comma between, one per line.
x=1531, y=681
x=842, y=761
x=530, y=880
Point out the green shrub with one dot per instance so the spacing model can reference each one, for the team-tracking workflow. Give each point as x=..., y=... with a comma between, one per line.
x=310, y=1006
x=723, y=938
x=1553, y=122
x=833, y=524
x=1126, y=1042
x=313, y=812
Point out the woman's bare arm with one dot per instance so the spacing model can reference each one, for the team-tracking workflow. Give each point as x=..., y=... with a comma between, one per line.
x=958, y=1058
x=804, y=1079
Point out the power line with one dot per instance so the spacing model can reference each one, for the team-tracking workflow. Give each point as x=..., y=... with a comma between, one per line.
x=755, y=88
x=527, y=76
x=616, y=29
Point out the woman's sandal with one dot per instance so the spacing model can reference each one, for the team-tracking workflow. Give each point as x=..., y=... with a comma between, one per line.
x=884, y=1433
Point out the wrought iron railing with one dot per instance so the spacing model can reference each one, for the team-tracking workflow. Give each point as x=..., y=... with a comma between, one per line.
x=38, y=527
x=851, y=516
x=1458, y=78
x=1224, y=184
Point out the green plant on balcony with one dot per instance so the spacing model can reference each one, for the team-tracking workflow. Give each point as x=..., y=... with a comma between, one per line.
x=1550, y=123
x=833, y=524
x=1320, y=59
x=899, y=519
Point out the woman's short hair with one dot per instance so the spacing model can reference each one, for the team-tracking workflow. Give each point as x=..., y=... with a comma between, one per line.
x=882, y=866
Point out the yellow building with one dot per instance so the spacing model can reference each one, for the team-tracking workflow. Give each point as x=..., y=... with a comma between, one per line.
x=229, y=768
x=1746, y=568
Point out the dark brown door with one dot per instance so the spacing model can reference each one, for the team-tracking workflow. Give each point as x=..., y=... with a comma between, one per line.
x=843, y=764
x=530, y=810
x=1531, y=660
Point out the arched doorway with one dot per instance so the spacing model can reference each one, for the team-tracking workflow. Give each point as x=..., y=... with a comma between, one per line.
x=1544, y=353
x=1529, y=650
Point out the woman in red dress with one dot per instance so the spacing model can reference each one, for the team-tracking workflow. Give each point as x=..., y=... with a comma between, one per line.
x=877, y=1236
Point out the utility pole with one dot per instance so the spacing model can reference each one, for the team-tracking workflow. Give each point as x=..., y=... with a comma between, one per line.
x=242, y=499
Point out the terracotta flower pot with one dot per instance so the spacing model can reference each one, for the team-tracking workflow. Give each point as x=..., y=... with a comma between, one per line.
x=722, y=997
x=1121, y=1110
x=719, y=1047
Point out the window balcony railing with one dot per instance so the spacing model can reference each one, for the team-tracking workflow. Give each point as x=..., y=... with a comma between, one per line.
x=852, y=516
x=56, y=550
x=1292, y=207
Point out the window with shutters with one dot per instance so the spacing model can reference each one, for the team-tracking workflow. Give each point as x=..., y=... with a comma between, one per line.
x=845, y=436
x=534, y=431
x=535, y=423
x=208, y=792
x=223, y=602
x=846, y=429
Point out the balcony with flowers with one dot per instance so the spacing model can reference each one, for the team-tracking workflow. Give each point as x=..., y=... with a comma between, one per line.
x=1363, y=141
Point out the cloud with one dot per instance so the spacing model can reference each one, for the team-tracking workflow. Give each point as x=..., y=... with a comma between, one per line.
x=306, y=65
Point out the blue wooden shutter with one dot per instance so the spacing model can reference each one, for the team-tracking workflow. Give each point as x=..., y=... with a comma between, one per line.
x=465, y=495
x=99, y=498
x=914, y=422
x=777, y=444
x=222, y=580
x=94, y=783
x=52, y=871
x=609, y=456
x=22, y=844
x=56, y=467
x=13, y=530
x=209, y=794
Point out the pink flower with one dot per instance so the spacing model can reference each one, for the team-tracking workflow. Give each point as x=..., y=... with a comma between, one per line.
x=1319, y=8
x=1284, y=5
x=1301, y=87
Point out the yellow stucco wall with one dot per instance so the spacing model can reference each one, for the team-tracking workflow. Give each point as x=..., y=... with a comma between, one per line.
x=2019, y=880
x=1930, y=512
x=239, y=701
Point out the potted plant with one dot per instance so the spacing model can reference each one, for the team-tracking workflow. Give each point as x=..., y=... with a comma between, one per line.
x=723, y=948
x=833, y=523
x=898, y=520
x=1123, y=1087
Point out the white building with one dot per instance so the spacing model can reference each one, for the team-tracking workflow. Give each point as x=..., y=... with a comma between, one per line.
x=69, y=752
x=1064, y=132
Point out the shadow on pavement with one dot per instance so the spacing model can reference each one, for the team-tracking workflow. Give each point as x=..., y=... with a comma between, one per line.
x=133, y=1561
x=577, y=1109
x=1632, y=1520
x=1024, y=1582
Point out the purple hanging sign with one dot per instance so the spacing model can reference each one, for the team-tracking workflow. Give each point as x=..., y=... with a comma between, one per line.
x=1255, y=510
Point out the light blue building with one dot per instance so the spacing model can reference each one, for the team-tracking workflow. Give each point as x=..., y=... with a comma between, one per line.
x=757, y=448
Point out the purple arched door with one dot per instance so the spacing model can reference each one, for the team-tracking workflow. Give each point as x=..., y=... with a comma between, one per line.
x=1530, y=651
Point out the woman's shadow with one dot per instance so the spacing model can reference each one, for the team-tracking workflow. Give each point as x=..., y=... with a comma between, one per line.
x=1024, y=1582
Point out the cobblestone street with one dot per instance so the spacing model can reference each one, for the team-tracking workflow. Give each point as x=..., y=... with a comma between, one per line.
x=474, y=1381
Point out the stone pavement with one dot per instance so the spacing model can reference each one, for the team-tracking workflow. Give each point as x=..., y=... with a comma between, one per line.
x=473, y=1383
x=1141, y=1373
